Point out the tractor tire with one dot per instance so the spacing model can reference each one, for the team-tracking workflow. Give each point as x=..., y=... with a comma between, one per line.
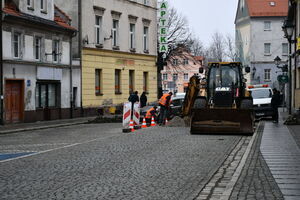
x=246, y=104
x=200, y=103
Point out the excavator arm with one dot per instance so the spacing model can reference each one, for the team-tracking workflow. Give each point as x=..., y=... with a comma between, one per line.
x=191, y=95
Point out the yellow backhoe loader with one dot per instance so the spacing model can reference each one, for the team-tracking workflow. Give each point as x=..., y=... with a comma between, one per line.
x=219, y=103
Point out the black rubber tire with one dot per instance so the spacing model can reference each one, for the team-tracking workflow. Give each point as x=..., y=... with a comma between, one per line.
x=200, y=103
x=246, y=104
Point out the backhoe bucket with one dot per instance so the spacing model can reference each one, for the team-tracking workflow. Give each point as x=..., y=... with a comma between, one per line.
x=235, y=121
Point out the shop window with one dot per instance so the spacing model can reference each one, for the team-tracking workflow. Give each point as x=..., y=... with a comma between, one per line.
x=118, y=81
x=47, y=95
x=98, y=80
x=131, y=81
x=145, y=81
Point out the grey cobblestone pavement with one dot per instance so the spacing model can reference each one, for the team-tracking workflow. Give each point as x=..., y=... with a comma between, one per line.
x=256, y=180
x=96, y=161
x=295, y=131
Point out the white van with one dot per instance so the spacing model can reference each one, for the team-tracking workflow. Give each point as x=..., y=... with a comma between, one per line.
x=262, y=96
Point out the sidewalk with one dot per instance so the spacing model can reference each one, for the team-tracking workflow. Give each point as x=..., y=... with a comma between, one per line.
x=12, y=128
x=282, y=154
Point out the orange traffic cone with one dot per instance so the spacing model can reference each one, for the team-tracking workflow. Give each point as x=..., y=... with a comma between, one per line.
x=131, y=125
x=153, y=122
x=144, y=125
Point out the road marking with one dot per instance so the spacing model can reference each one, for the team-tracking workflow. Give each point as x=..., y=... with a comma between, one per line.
x=58, y=148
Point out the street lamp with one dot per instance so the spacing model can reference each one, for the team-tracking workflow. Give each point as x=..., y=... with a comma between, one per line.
x=288, y=29
x=277, y=60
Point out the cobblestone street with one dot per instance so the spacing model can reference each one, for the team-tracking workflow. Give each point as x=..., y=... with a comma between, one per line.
x=97, y=161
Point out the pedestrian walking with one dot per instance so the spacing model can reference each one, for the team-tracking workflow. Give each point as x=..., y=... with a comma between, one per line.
x=143, y=99
x=275, y=102
x=152, y=112
x=164, y=104
x=133, y=98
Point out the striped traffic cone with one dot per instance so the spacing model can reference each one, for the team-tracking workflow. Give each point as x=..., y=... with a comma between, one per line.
x=153, y=122
x=131, y=125
x=144, y=125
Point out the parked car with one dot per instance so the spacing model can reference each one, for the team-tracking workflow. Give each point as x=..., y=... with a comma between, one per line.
x=176, y=106
x=262, y=96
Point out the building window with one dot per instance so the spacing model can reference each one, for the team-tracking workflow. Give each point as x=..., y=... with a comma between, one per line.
x=165, y=77
x=55, y=50
x=175, y=62
x=284, y=49
x=75, y=89
x=267, y=25
x=186, y=76
x=146, y=2
x=17, y=45
x=118, y=81
x=37, y=48
x=47, y=94
x=115, y=33
x=98, y=24
x=145, y=39
x=30, y=4
x=267, y=48
x=145, y=82
x=132, y=36
x=175, y=77
x=43, y=4
x=185, y=61
x=267, y=74
x=131, y=81
x=98, y=79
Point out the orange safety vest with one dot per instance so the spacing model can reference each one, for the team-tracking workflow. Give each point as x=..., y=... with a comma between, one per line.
x=148, y=114
x=163, y=100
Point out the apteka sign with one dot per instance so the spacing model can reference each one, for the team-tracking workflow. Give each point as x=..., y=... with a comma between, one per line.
x=163, y=26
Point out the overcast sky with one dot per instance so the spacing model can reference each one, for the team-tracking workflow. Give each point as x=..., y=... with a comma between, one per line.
x=207, y=16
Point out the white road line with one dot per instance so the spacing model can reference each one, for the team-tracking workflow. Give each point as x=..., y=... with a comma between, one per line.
x=49, y=150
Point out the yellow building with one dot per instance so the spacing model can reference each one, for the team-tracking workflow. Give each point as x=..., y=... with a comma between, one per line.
x=108, y=76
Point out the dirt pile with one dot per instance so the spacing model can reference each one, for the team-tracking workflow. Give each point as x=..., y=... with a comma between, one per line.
x=178, y=122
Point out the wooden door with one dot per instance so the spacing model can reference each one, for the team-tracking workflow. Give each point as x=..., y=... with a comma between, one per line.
x=13, y=101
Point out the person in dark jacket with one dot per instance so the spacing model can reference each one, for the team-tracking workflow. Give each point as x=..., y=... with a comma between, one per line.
x=133, y=98
x=275, y=102
x=143, y=99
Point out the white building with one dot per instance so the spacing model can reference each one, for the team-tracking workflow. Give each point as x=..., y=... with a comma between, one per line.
x=36, y=62
x=259, y=38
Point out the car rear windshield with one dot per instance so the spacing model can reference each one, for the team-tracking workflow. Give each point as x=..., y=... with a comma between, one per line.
x=260, y=94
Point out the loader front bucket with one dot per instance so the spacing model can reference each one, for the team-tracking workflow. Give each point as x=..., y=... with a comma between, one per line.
x=235, y=121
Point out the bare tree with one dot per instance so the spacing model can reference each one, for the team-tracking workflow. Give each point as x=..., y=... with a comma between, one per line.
x=196, y=46
x=230, y=48
x=217, y=47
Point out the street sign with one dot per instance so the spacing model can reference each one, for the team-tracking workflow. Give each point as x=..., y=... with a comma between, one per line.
x=283, y=79
x=163, y=26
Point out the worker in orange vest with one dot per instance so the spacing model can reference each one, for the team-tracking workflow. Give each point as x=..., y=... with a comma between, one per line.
x=152, y=112
x=164, y=104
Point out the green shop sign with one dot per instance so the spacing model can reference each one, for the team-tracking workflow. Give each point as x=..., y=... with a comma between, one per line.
x=283, y=79
x=163, y=26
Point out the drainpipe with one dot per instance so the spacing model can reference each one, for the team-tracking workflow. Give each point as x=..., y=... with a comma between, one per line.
x=80, y=50
x=1, y=70
x=71, y=79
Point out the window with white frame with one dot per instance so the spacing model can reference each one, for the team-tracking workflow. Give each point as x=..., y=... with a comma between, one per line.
x=29, y=4
x=185, y=61
x=165, y=77
x=98, y=24
x=17, y=45
x=115, y=33
x=284, y=49
x=267, y=74
x=56, y=50
x=132, y=36
x=267, y=48
x=145, y=38
x=37, y=47
x=175, y=77
x=43, y=5
x=267, y=25
x=175, y=61
x=186, y=76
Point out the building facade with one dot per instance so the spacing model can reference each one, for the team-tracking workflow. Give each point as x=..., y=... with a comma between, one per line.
x=293, y=20
x=38, y=78
x=118, y=48
x=178, y=71
x=259, y=39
